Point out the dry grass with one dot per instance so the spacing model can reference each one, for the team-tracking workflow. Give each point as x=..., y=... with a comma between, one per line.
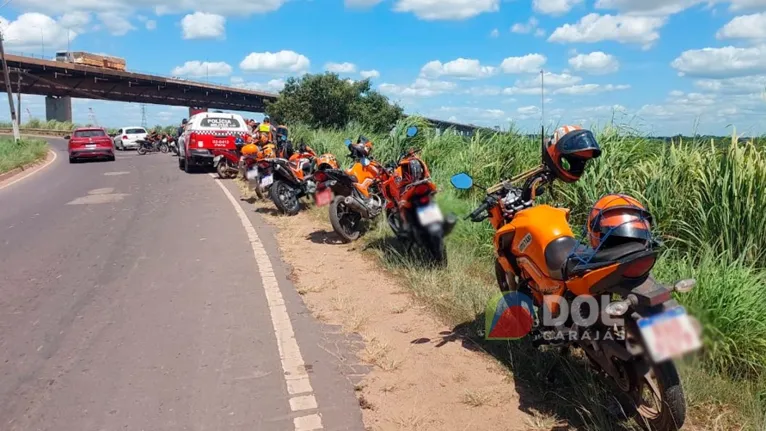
x=378, y=353
x=476, y=398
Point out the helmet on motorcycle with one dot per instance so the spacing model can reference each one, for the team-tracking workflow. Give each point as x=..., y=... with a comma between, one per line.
x=250, y=150
x=184, y=121
x=568, y=151
x=617, y=219
x=239, y=140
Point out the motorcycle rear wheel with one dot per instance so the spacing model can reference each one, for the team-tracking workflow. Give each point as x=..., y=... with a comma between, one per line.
x=141, y=150
x=343, y=221
x=164, y=148
x=666, y=411
x=284, y=197
x=222, y=170
x=437, y=250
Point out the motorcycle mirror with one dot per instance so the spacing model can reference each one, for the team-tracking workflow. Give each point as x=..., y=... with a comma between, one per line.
x=365, y=162
x=347, y=142
x=461, y=181
x=412, y=131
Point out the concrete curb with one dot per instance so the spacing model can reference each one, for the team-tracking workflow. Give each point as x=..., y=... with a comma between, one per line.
x=9, y=178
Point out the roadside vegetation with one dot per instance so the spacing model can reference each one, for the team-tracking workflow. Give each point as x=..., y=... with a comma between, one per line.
x=15, y=155
x=707, y=198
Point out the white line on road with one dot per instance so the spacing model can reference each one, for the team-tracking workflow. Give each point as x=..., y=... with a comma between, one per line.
x=296, y=377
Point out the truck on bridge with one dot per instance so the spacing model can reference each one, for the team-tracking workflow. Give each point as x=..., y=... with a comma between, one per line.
x=88, y=59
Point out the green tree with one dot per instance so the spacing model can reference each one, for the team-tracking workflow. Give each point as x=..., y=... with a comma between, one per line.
x=327, y=101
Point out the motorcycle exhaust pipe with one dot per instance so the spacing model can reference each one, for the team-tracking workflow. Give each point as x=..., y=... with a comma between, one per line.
x=449, y=223
x=357, y=206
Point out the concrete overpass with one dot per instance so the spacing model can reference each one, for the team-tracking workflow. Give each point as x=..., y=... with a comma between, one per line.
x=60, y=81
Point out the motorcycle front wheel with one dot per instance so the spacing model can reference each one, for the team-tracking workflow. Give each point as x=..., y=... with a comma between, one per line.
x=141, y=150
x=345, y=222
x=222, y=170
x=285, y=198
x=164, y=148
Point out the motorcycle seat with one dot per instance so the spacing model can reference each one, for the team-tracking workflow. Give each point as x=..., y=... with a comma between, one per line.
x=566, y=255
x=585, y=258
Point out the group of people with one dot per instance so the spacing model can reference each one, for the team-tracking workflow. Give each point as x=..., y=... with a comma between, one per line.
x=261, y=133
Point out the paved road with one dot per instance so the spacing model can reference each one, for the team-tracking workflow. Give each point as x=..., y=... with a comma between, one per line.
x=130, y=299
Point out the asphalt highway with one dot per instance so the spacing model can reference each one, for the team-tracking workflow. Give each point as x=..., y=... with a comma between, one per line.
x=134, y=296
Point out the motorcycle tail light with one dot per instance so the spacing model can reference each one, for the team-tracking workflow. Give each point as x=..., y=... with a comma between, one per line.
x=320, y=176
x=425, y=199
x=639, y=267
x=422, y=189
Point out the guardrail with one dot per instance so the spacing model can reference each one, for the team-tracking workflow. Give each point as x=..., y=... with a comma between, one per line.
x=45, y=132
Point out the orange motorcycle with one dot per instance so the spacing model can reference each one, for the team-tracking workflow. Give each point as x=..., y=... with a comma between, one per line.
x=358, y=198
x=411, y=209
x=631, y=328
x=293, y=178
x=258, y=169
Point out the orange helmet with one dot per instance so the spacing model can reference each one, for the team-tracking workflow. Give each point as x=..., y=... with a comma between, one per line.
x=250, y=149
x=568, y=151
x=616, y=219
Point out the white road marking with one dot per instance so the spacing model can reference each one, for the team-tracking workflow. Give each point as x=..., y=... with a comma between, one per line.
x=296, y=377
x=110, y=174
x=34, y=171
x=93, y=199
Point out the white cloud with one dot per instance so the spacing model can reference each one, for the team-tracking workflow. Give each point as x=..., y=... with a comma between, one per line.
x=723, y=62
x=197, y=69
x=649, y=7
x=31, y=30
x=742, y=85
x=744, y=27
x=494, y=33
x=420, y=88
x=471, y=115
x=115, y=23
x=273, y=86
x=340, y=67
x=593, y=28
x=369, y=74
x=590, y=89
x=595, y=63
x=462, y=68
x=554, y=7
x=525, y=27
x=737, y=5
x=483, y=91
x=361, y=3
x=529, y=63
x=539, y=32
x=75, y=21
x=551, y=80
x=277, y=62
x=201, y=25
x=161, y=7
x=151, y=25
x=431, y=10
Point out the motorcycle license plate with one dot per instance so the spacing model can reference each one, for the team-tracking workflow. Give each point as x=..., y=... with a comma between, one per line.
x=323, y=197
x=252, y=174
x=670, y=334
x=430, y=214
x=216, y=159
x=267, y=180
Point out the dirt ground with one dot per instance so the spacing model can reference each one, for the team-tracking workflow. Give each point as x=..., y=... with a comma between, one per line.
x=421, y=378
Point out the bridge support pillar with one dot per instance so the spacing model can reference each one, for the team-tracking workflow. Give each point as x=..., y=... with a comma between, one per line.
x=58, y=108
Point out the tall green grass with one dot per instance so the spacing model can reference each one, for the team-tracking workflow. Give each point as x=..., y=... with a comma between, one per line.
x=15, y=155
x=708, y=200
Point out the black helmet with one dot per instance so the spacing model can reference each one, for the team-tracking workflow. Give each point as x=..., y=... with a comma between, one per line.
x=184, y=121
x=266, y=120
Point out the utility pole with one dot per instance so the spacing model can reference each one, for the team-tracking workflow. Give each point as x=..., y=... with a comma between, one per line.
x=18, y=94
x=14, y=120
x=143, y=116
x=542, y=98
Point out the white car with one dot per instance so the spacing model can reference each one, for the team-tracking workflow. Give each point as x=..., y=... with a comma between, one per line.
x=127, y=136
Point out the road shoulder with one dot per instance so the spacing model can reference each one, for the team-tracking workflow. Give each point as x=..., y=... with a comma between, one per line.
x=421, y=376
x=15, y=175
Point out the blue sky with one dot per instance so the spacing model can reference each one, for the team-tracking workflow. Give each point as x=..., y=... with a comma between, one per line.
x=664, y=67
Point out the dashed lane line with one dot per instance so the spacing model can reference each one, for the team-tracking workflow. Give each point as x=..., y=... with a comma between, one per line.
x=295, y=374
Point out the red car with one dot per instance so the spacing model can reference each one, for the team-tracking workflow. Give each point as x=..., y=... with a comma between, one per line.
x=90, y=143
